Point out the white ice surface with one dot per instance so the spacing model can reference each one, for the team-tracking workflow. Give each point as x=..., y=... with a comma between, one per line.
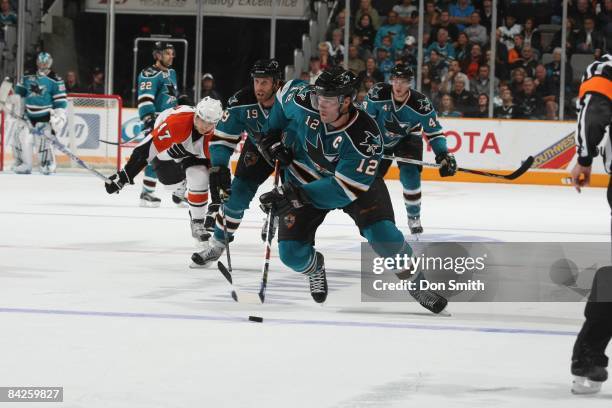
x=96, y=296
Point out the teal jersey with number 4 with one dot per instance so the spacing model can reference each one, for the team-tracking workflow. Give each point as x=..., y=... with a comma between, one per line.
x=333, y=166
x=157, y=91
x=415, y=117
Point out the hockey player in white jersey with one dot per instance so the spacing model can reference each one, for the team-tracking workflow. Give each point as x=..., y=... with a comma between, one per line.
x=179, y=141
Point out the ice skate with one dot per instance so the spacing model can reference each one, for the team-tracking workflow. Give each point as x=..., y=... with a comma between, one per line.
x=318, y=280
x=148, y=200
x=198, y=231
x=209, y=255
x=415, y=225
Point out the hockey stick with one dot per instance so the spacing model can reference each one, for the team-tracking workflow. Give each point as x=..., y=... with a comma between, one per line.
x=512, y=176
x=269, y=235
x=58, y=145
x=238, y=296
x=244, y=297
x=125, y=142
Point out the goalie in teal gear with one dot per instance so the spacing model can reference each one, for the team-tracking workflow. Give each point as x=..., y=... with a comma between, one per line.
x=404, y=116
x=43, y=96
x=157, y=91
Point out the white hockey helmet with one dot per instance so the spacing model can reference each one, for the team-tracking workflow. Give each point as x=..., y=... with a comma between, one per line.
x=209, y=110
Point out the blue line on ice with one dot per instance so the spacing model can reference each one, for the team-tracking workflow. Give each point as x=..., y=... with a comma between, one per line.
x=412, y=326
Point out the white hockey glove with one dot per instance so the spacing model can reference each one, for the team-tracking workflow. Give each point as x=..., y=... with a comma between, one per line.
x=58, y=120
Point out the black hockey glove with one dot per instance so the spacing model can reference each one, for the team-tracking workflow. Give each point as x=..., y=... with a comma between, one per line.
x=178, y=151
x=148, y=122
x=272, y=148
x=449, y=164
x=118, y=180
x=283, y=199
x=220, y=183
x=191, y=161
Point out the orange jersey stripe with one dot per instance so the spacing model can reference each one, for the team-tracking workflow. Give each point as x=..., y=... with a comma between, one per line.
x=597, y=84
x=197, y=198
x=176, y=128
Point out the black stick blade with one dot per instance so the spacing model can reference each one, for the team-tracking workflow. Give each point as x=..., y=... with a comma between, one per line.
x=224, y=272
x=521, y=170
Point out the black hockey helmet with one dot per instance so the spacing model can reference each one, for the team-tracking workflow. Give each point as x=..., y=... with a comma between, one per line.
x=160, y=46
x=402, y=71
x=336, y=81
x=264, y=68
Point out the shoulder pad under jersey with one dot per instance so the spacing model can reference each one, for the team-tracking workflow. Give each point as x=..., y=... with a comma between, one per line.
x=150, y=72
x=420, y=103
x=380, y=92
x=53, y=75
x=365, y=135
x=245, y=96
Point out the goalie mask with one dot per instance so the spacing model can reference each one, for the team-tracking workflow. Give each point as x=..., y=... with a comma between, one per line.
x=44, y=62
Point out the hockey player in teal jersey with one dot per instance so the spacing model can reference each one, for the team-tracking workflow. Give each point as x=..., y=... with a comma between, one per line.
x=247, y=111
x=404, y=115
x=331, y=161
x=157, y=91
x=44, y=97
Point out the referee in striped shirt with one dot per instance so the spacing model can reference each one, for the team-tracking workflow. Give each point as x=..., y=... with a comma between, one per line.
x=589, y=361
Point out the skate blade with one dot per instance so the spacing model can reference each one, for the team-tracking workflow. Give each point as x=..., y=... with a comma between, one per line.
x=194, y=265
x=444, y=313
x=584, y=386
x=148, y=204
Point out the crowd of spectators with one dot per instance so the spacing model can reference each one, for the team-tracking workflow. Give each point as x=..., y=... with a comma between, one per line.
x=457, y=51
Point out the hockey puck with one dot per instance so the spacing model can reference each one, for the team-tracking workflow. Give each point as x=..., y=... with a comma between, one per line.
x=256, y=319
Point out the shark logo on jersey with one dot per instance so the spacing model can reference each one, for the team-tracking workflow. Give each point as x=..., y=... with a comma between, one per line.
x=394, y=128
x=425, y=105
x=318, y=157
x=371, y=143
x=232, y=100
x=303, y=92
x=171, y=90
x=36, y=89
x=375, y=90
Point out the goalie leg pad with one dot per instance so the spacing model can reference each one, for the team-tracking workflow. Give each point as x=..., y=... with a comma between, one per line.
x=22, y=145
x=44, y=148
